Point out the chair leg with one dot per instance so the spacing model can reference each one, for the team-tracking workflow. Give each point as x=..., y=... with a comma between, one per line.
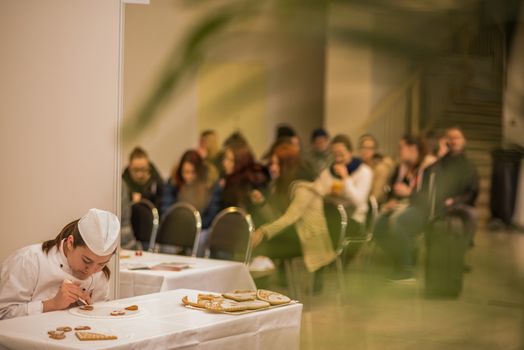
x=290, y=278
x=341, y=279
x=310, y=277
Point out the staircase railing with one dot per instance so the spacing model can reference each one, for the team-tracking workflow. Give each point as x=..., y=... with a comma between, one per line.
x=397, y=113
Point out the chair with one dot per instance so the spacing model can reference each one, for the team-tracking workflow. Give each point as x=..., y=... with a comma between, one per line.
x=144, y=221
x=337, y=220
x=368, y=225
x=230, y=235
x=367, y=229
x=180, y=226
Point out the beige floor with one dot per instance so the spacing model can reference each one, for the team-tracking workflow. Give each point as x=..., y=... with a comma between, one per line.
x=376, y=314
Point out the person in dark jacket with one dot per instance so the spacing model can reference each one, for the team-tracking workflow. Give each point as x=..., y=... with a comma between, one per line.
x=456, y=184
x=399, y=224
x=143, y=179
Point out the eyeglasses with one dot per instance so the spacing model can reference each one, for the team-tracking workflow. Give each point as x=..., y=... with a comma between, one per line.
x=140, y=170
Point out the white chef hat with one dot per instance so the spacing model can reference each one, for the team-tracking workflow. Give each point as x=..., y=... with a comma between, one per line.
x=100, y=231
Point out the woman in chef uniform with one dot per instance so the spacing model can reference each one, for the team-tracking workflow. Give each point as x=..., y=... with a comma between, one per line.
x=62, y=272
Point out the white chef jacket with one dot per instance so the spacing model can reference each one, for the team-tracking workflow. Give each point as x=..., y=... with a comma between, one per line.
x=30, y=276
x=356, y=189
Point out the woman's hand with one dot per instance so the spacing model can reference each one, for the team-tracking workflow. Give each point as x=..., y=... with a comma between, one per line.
x=257, y=197
x=341, y=170
x=257, y=238
x=401, y=189
x=390, y=205
x=68, y=294
x=136, y=197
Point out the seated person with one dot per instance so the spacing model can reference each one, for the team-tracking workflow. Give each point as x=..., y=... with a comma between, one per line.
x=456, y=182
x=319, y=156
x=189, y=184
x=209, y=151
x=273, y=203
x=382, y=166
x=241, y=175
x=349, y=180
x=305, y=210
x=400, y=222
x=63, y=271
x=283, y=134
x=142, y=179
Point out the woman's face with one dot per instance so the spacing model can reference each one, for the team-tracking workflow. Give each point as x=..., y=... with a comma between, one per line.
x=188, y=173
x=140, y=170
x=367, y=150
x=228, y=162
x=82, y=261
x=407, y=153
x=274, y=167
x=341, y=154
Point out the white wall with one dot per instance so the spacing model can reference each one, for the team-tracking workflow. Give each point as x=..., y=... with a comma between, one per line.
x=359, y=75
x=513, y=108
x=291, y=77
x=59, y=115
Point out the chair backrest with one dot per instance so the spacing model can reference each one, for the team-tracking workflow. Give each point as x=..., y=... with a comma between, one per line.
x=181, y=226
x=337, y=221
x=230, y=236
x=372, y=214
x=144, y=221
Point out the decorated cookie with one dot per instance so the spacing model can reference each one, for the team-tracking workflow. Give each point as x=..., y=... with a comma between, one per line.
x=56, y=335
x=118, y=313
x=272, y=297
x=94, y=336
x=241, y=295
x=64, y=329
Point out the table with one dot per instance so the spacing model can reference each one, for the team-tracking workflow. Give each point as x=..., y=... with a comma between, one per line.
x=204, y=274
x=164, y=324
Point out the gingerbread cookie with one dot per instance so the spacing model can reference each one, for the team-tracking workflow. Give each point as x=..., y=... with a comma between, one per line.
x=82, y=328
x=225, y=305
x=94, y=336
x=56, y=335
x=255, y=304
x=208, y=296
x=86, y=308
x=132, y=308
x=272, y=297
x=200, y=303
x=118, y=313
x=64, y=329
x=241, y=295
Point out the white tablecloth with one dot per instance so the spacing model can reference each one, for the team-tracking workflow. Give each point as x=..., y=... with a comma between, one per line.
x=164, y=323
x=204, y=274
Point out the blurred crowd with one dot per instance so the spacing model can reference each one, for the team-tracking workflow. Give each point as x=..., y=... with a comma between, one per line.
x=286, y=191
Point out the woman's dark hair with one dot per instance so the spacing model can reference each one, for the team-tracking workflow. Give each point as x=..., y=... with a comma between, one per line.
x=284, y=130
x=194, y=158
x=432, y=138
x=247, y=174
x=137, y=152
x=68, y=230
x=280, y=141
x=244, y=158
x=419, y=143
x=291, y=168
x=236, y=139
